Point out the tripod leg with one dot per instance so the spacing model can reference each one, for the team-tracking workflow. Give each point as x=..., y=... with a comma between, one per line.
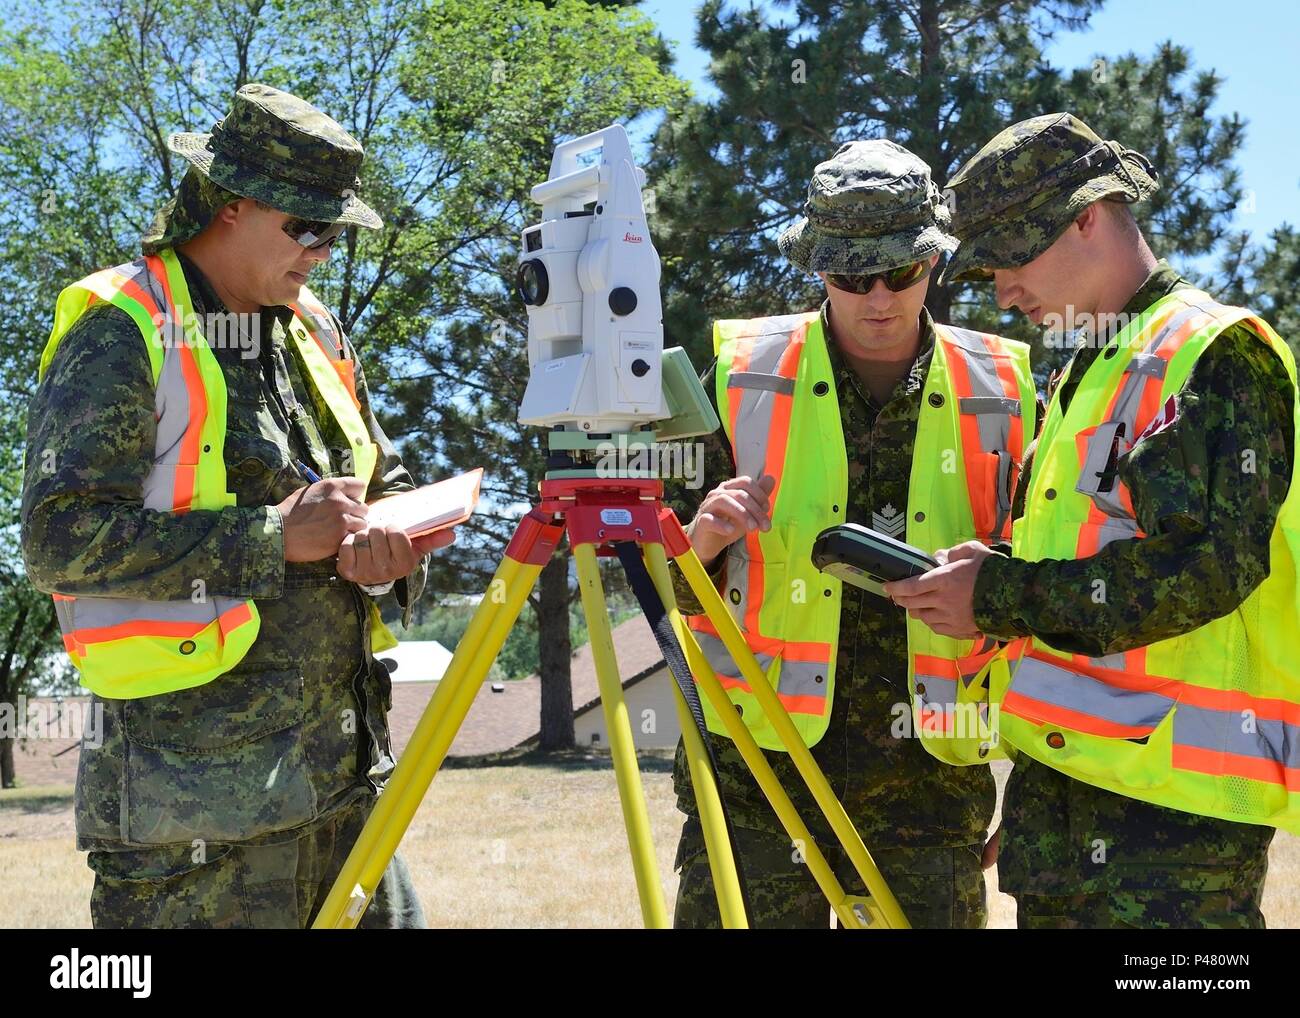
x=722, y=861
x=437, y=729
x=631, y=795
x=749, y=750
x=882, y=897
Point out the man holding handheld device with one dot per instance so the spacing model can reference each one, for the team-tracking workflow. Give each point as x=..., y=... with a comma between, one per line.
x=866, y=412
x=1150, y=683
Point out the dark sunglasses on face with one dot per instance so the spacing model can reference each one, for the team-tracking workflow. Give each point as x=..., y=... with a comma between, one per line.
x=312, y=234
x=894, y=279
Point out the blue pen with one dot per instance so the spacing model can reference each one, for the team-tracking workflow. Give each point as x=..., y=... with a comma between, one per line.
x=307, y=471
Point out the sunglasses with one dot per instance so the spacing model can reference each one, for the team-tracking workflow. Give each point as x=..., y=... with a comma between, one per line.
x=894, y=279
x=312, y=234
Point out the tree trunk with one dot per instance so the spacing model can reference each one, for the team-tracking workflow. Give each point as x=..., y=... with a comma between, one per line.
x=554, y=651
x=927, y=140
x=7, y=763
x=8, y=691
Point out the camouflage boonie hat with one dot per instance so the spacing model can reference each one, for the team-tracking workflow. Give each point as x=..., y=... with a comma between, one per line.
x=283, y=151
x=1017, y=194
x=872, y=206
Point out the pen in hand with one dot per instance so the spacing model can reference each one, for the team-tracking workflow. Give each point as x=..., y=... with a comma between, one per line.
x=307, y=471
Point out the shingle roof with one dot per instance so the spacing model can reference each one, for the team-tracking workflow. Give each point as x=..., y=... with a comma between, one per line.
x=500, y=721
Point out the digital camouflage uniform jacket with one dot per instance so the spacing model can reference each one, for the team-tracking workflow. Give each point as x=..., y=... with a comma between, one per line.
x=1209, y=523
x=298, y=728
x=894, y=791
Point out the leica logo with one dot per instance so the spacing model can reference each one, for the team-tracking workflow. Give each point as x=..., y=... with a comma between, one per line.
x=631, y=238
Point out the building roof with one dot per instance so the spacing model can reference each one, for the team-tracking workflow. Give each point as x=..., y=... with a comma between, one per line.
x=416, y=660
x=500, y=721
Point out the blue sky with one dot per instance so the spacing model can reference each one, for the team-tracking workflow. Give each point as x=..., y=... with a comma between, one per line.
x=1252, y=44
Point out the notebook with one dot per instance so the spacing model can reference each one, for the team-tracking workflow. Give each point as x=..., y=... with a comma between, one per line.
x=432, y=507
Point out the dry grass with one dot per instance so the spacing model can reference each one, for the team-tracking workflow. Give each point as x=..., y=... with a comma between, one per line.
x=523, y=845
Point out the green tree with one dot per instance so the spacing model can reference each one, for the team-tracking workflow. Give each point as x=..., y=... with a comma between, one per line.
x=27, y=624
x=1266, y=278
x=938, y=76
x=488, y=91
x=457, y=103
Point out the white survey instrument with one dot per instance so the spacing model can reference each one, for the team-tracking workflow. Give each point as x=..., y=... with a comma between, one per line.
x=590, y=277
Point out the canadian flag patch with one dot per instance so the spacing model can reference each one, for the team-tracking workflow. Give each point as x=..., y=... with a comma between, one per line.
x=1167, y=415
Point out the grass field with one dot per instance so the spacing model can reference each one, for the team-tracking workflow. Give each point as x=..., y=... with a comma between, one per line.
x=521, y=845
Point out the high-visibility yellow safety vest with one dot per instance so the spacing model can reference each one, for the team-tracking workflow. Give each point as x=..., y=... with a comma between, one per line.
x=777, y=398
x=127, y=648
x=1207, y=722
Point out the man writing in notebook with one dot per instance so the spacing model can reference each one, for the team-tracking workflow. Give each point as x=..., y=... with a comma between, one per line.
x=218, y=602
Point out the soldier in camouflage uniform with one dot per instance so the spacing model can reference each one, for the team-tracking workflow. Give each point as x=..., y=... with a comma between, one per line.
x=923, y=821
x=1072, y=854
x=235, y=802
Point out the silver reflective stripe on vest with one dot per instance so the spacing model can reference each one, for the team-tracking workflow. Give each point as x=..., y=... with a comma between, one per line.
x=939, y=696
x=1227, y=731
x=1207, y=728
x=1079, y=692
x=988, y=400
x=758, y=398
x=795, y=678
x=720, y=659
x=98, y=612
x=756, y=388
x=63, y=610
x=737, y=577
x=989, y=405
x=935, y=691
x=321, y=321
x=1096, y=457
x=1148, y=364
x=172, y=406
x=802, y=678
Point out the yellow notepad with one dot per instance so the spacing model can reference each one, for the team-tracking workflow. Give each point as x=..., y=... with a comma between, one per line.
x=432, y=507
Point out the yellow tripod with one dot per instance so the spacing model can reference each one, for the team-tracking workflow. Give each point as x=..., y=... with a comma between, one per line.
x=598, y=512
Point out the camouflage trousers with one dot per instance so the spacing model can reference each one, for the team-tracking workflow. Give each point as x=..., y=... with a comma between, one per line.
x=245, y=886
x=937, y=888
x=1143, y=910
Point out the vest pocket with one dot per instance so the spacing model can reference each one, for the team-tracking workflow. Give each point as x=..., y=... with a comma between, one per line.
x=121, y=652
x=1099, y=450
x=758, y=589
x=991, y=490
x=758, y=594
x=219, y=762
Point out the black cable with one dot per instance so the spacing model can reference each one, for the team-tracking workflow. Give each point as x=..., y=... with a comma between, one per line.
x=638, y=577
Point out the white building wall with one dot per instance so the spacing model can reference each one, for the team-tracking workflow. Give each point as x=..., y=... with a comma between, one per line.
x=650, y=709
